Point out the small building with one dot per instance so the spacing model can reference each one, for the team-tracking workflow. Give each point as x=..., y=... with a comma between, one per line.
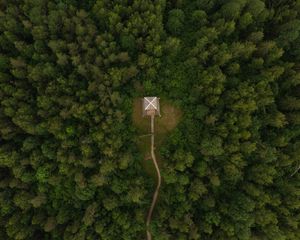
x=151, y=106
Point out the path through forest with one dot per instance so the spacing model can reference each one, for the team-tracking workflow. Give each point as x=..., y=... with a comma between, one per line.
x=155, y=195
x=170, y=116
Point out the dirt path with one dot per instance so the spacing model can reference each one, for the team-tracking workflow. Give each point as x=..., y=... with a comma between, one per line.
x=155, y=195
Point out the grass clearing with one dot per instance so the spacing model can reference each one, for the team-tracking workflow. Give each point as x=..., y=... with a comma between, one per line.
x=170, y=116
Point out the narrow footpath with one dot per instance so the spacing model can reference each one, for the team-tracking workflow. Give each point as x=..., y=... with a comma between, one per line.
x=155, y=195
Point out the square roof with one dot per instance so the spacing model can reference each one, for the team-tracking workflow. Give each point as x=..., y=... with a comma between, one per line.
x=150, y=103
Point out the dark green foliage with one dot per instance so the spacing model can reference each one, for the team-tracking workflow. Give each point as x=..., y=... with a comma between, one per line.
x=63, y=124
x=69, y=164
x=128, y=43
x=236, y=77
x=175, y=22
x=232, y=9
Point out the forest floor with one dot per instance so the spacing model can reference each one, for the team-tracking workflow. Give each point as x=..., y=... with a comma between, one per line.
x=170, y=116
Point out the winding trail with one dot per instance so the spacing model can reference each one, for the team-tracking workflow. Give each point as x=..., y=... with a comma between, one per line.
x=155, y=195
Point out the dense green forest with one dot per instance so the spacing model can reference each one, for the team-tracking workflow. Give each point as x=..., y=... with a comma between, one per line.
x=70, y=167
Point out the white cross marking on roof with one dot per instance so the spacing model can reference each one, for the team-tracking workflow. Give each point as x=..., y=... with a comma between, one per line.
x=150, y=103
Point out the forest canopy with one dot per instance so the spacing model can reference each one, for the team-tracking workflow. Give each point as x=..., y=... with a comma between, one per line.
x=70, y=167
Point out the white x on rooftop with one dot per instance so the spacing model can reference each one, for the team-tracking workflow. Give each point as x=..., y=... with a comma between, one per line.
x=151, y=103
